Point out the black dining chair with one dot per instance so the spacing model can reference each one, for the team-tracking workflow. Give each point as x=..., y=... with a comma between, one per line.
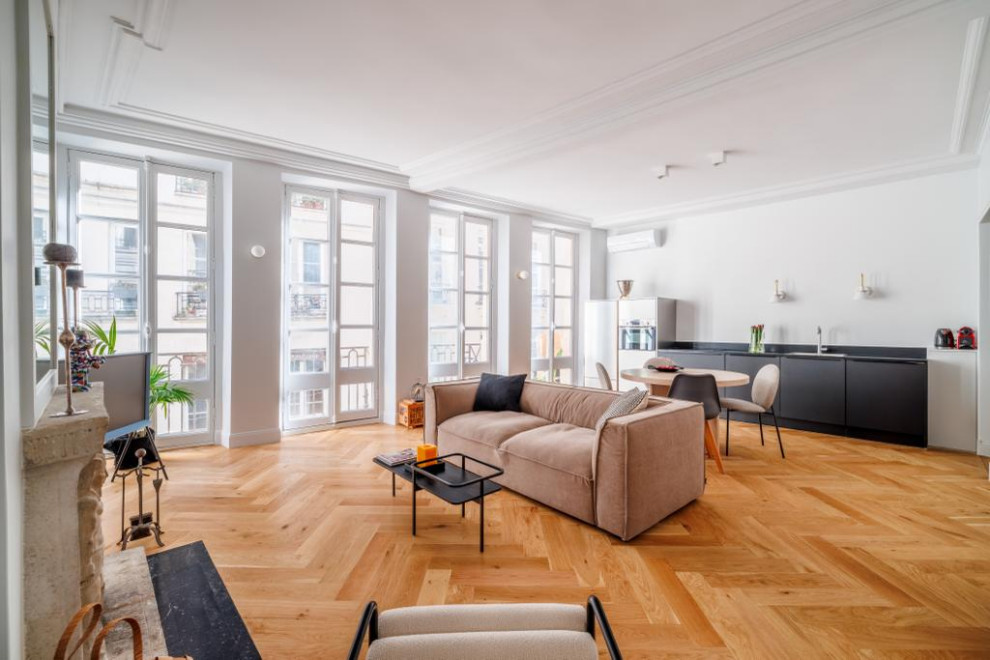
x=703, y=389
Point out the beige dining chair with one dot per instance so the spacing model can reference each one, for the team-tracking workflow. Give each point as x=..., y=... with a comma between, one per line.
x=603, y=378
x=765, y=386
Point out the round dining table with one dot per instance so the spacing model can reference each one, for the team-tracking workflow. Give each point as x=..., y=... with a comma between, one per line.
x=659, y=385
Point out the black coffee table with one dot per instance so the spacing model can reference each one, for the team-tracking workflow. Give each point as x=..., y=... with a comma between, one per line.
x=453, y=484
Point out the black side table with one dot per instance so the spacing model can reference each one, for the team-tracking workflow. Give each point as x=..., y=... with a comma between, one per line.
x=452, y=484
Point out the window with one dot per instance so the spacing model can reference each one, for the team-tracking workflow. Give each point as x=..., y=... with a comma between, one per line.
x=331, y=372
x=554, y=306
x=143, y=234
x=460, y=296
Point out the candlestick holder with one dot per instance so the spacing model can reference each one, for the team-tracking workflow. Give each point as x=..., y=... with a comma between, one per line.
x=62, y=256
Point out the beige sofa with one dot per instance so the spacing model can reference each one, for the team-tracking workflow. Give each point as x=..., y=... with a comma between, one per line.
x=644, y=467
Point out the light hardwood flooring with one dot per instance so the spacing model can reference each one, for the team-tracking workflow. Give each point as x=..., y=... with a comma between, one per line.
x=846, y=549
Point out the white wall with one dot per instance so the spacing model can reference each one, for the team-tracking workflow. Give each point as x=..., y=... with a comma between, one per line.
x=983, y=217
x=11, y=524
x=515, y=296
x=916, y=240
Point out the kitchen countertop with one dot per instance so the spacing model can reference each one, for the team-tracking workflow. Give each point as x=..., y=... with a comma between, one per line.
x=883, y=353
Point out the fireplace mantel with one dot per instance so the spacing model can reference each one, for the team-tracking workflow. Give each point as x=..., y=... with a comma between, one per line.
x=64, y=471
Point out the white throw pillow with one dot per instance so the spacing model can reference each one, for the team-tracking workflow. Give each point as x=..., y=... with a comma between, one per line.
x=624, y=404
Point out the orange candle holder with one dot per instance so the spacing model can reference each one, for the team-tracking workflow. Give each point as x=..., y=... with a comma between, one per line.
x=425, y=453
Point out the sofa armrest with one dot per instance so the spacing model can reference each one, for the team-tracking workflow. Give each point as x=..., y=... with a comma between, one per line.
x=648, y=465
x=446, y=400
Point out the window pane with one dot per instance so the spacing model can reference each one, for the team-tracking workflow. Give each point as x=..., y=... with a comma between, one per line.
x=108, y=247
x=183, y=305
x=565, y=376
x=128, y=342
x=357, y=396
x=357, y=305
x=564, y=281
x=105, y=298
x=308, y=351
x=562, y=343
x=540, y=348
x=477, y=239
x=182, y=253
x=357, y=221
x=357, y=348
x=476, y=310
x=476, y=277
x=183, y=200
x=357, y=263
x=309, y=306
x=183, y=417
x=443, y=308
x=541, y=312
x=541, y=247
x=443, y=271
x=108, y=190
x=183, y=354
x=541, y=280
x=562, y=312
x=540, y=375
x=563, y=250
x=309, y=262
x=476, y=346
x=443, y=346
x=308, y=404
x=443, y=233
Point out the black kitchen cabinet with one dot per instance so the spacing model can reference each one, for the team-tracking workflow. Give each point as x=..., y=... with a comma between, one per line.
x=695, y=359
x=888, y=397
x=813, y=389
x=749, y=365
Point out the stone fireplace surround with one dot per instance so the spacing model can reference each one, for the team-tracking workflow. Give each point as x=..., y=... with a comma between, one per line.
x=64, y=471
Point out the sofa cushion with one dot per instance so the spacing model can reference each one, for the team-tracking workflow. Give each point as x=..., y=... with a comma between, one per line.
x=552, y=464
x=499, y=392
x=563, y=404
x=491, y=428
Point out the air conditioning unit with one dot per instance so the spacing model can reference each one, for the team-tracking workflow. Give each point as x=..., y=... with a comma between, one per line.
x=636, y=240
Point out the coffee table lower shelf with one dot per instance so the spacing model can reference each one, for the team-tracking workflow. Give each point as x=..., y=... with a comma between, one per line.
x=454, y=484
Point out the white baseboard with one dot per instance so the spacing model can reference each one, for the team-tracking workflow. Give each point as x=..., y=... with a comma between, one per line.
x=983, y=448
x=249, y=438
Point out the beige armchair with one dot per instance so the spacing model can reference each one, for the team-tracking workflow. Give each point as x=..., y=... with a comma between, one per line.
x=485, y=632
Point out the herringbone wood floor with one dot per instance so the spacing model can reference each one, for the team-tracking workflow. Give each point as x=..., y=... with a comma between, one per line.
x=845, y=549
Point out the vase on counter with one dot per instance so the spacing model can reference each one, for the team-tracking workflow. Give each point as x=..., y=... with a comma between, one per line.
x=756, y=338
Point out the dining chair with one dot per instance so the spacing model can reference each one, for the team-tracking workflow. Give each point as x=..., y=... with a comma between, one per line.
x=603, y=378
x=764, y=392
x=703, y=389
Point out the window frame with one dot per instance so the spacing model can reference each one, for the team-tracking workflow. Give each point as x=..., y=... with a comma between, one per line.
x=552, y=363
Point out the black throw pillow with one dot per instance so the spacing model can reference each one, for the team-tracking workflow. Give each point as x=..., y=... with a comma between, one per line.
x=499, y=392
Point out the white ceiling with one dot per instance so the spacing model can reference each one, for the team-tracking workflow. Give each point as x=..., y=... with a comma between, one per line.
x=558, y=105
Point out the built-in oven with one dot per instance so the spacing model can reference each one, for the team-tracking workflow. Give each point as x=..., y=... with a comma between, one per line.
x=635, y=336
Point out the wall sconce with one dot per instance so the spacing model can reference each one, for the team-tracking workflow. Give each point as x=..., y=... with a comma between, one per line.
x=257, y=251
x=777, y=295
x=862, y=291
x=522, y=275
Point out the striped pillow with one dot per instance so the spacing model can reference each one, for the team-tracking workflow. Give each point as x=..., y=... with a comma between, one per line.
x=624, y=404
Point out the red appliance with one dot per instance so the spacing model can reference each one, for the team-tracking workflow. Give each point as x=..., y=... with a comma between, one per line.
x=966, y=339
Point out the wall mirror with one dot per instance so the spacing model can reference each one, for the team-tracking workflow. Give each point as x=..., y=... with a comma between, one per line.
x=44, y=219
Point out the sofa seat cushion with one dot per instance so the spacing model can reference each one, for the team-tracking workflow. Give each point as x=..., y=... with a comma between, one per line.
x=552, y=464
x=491, y=428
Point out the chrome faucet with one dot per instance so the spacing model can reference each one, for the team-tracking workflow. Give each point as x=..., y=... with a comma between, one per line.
x=818, y=331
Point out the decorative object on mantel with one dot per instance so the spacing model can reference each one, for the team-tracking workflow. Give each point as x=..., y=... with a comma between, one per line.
x=81, y=356
x=777, y=295
x=862, y=291
x=417, y=392
x=756, y=338
x=62, y=256
x=625, y=288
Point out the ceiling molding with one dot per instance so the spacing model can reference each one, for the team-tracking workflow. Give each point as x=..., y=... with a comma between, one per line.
x=809, y=187
x=167, y=136
x=121, y=63
x=731, y=59
x=976, y=32
x=501, y=205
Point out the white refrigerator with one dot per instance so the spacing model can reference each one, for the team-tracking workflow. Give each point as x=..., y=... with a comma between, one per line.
x=624, y=334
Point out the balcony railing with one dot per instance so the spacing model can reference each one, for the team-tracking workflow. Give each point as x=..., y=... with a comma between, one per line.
x=191, y=306
x=447, y=353
x=308, y=306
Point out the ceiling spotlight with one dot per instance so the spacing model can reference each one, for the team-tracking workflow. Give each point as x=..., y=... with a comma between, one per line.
x=661, y=172
x=717, y=158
